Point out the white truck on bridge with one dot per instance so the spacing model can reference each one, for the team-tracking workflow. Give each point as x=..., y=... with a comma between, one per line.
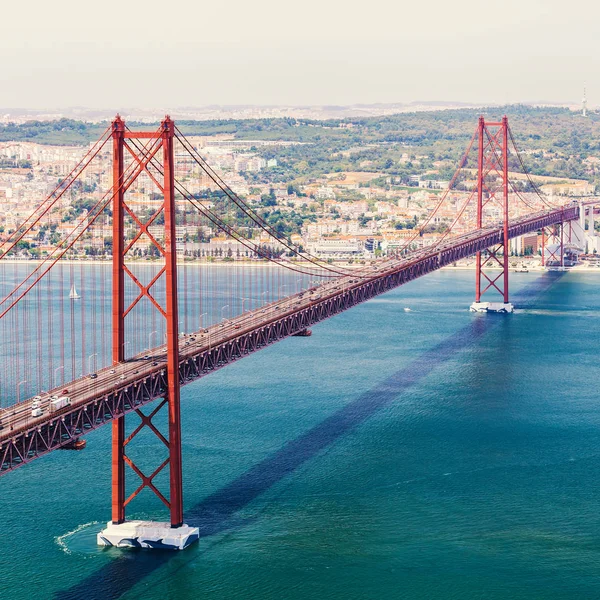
x=58, y=403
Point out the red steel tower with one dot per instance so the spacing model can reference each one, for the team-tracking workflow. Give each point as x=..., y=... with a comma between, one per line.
x=492, y=202
x=158, y=153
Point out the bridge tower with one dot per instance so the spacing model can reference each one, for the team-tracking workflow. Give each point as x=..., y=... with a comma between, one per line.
x=553, y=246
x=562, y=243
x=154, y=157
x=492, y=198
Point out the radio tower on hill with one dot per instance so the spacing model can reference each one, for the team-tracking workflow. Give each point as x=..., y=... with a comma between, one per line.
x=584, y=103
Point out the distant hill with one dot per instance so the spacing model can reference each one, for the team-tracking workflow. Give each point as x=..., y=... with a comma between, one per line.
x=558, y=141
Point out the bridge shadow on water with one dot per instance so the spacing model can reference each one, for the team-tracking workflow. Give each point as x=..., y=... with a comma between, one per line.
x=216, y=513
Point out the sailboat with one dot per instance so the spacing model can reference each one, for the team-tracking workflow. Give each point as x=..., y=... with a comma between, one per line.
x=73, y=295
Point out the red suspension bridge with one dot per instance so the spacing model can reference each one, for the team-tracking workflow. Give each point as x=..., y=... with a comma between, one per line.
x=132, y=331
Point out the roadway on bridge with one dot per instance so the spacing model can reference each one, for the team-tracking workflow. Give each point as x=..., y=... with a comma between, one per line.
x=18, y=418
x=85, y=389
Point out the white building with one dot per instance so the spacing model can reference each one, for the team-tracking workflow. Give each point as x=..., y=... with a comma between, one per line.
x=335, y=248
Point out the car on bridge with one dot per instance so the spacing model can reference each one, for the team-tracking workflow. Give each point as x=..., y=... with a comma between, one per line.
x=36, y=409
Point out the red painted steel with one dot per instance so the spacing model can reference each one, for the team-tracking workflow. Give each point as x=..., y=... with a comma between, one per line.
x=543, y=246
x=562, y=244
x=172, y=327
x=142, y=158
x=251, y=331
x=553, y=244
x=118, y=304
x=103, y=405
x=481, y=128
x=51, y=200
x=493, y=160
x=118, y=318
x=505, y=239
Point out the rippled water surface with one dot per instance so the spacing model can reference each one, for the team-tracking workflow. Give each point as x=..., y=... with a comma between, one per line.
x=423, y=454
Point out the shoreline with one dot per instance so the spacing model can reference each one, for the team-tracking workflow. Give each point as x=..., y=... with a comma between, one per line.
x=267, y=264
x=220, y=263
x=530, y=268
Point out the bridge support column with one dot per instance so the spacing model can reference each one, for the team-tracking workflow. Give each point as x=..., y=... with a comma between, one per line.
x=121, y=532
x=553, y=246
x=493, y=159
x=173, y=396
x=118, y=318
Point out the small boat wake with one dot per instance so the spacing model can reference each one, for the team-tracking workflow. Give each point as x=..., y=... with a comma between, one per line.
x=78, y=540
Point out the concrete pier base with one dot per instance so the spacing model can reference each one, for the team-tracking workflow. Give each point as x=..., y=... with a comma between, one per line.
x=148, y=534
x=497, y=307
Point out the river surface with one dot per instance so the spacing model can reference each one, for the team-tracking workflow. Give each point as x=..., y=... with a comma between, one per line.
x=428, y=453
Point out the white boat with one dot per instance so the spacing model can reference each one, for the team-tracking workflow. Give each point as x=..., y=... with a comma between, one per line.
x=73, y=295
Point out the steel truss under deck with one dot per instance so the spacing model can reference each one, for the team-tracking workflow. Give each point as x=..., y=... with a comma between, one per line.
x=23, y=446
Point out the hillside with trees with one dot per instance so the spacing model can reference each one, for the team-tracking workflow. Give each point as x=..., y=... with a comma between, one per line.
x=556, y=141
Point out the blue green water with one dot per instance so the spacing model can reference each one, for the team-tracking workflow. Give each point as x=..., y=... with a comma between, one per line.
x=430, y=454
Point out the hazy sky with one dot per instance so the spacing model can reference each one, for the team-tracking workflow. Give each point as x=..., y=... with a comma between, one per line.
x=152, y=54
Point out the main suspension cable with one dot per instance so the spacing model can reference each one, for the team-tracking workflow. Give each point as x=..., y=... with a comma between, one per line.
x=533, y=185
x=63, y=247
x=242, y=205
x=47, y=204
x=231, y=231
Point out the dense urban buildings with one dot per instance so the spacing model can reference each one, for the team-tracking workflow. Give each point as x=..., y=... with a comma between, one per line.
x=348, y=216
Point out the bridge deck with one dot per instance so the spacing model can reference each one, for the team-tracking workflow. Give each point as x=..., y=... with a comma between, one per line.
x=127, y=386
